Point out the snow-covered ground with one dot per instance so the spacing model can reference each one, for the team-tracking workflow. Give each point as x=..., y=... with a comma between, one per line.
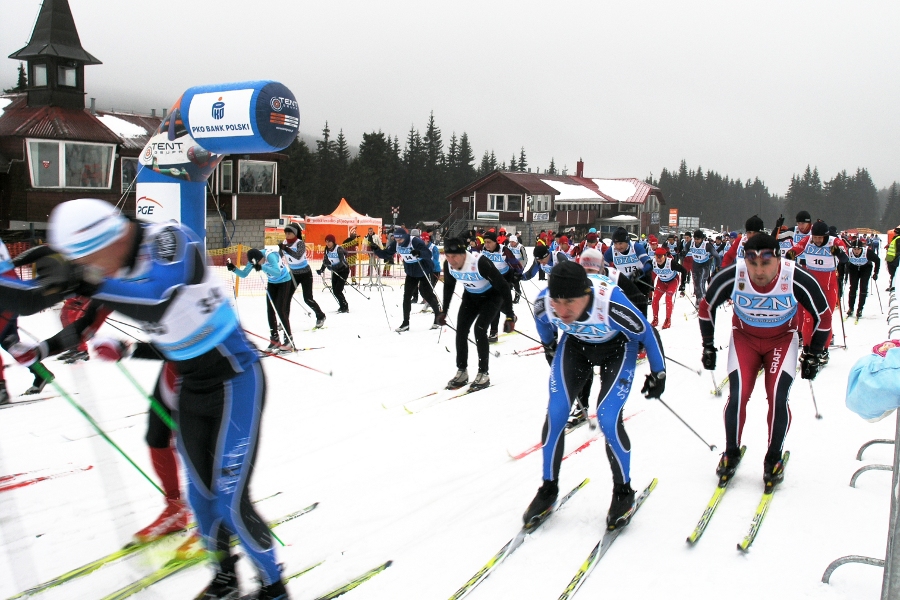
x=436, y=491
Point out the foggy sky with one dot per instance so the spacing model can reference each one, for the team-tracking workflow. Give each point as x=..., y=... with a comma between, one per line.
x=746, y=89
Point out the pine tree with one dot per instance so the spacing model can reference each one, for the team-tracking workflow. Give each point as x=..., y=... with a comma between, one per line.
x=891, y=217
x=485, y=167
x=298, y=179
x=523, y=163
x=552, y=169
x=466, y=160
x=21, y=81
x=327, y=174
x=513, y=166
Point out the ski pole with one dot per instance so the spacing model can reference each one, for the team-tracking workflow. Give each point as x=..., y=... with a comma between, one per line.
x=44, y=373
x=154, y=403
x=877, y=293
x=299, y=364
x=348, y=285
x=386, y=318
x=843, y=331
x=528, y=336
x=711, y=447
x=697, y=371
x=813, y=394
x=716, y=389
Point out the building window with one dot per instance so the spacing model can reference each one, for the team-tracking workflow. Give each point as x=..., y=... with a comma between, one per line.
x=257, y=177
x=39, y=76
x=70, y=164
x=514, y=203
x=540, y=203
x=225, y=176
x=65, y=76
x=129, y=172
x=496, y=202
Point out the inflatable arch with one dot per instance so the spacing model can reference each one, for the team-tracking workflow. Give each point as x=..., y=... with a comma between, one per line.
x=206, y=123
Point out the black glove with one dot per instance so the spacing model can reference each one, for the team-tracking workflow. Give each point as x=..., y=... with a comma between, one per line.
x=441, y=318
x=875, y=276
x=56, y=275
x=654, y=385
x=416, y=253
x=230, y=266
x=509, y=325
x=709, y=357
x=778, y=223
x=550, y=352
x=257, y=266
x=809, y=363
x=634, y=275
x=320, y=271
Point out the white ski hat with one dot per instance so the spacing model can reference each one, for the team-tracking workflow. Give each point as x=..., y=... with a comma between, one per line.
x=84, y=226
x=512, y=238
x=592, y=259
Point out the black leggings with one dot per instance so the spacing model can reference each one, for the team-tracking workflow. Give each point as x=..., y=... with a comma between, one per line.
x=480, y=310
x=304, y=280
x=859, y=278
x=338, y=279
x=418, y=285
x=279, y=295
x=510, y=277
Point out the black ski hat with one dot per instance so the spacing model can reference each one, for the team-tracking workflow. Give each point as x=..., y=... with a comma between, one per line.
x=819, y=228
x=568, y=279
x=762, y=241
x=490, y=235
x=254, y=255
x=541, y=252
x=620, y=235
x=294, y=228
x=754, y=223
x=699, y=235
x=454, y=246
x=803, y=217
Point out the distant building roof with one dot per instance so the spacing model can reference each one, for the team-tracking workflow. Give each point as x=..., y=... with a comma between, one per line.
x=52, y=122
x=55, y=35
x=566, y=188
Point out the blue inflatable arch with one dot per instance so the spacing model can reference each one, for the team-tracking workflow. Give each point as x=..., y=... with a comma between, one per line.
x=206, y=123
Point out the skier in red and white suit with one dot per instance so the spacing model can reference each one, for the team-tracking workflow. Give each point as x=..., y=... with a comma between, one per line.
x=669, y=279
x=819, y=253
x=766, y=291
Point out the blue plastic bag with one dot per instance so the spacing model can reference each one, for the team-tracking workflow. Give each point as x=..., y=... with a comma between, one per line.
x=873, y=386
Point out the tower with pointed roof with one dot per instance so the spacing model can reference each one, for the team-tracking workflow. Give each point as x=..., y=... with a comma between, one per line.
x=55, y=58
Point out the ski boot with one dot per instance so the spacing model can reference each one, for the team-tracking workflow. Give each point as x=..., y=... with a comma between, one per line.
x=773, y=472
x=224, y=585
x=517, y=298
x=540, y=507
x=579, y=415
x=37, y=386
x=728, y=464
x=403, y=327
x=274, y=345
x=174, y=518
x=655, y=321
x=320, y=322
x=859, y=314
x=492, y=337
x=191, y=548
x=4, y=394
x=77, y=355
x=344, y=309
x=435, y=325
x=274, y=591
x=621, y=508
x=824, y=358
x=667, y=323
x=460, y=379
x=481, y=381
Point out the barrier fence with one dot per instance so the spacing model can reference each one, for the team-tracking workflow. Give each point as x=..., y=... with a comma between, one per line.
x=890, y=586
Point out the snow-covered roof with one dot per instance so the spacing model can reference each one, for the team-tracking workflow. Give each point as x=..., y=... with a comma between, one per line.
x=618, y=189
x=570, y=192
x=121, y=127
x=4, y=102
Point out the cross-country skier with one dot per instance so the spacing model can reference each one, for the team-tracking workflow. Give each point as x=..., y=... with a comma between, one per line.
x=767, y=291
x=702, y=254
x=862, y=263
x=157, y=275
x=667, y=272
x=597, y=321
x=417, y=263
x=485, y=294
x=521, y=255
x=293, y=249
x=752, y=226
x=279, y=289
x=335, y=260
x=508, y=266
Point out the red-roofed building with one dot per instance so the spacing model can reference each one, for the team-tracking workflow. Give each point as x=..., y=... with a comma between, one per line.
x=53, y=149
x=530, y=202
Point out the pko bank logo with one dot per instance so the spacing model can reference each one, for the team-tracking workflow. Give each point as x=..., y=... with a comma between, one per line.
x=218, y=109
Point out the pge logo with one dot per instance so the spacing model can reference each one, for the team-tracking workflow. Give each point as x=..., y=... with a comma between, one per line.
x=275, y=103
x=218, y=109
x=144, y=206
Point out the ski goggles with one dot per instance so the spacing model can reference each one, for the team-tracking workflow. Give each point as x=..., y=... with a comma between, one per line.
x=752, y=256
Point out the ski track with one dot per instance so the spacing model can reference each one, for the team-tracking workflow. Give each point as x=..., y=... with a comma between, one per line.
x=436, y=491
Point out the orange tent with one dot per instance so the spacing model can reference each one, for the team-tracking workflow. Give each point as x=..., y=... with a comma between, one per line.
x=340, y=224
